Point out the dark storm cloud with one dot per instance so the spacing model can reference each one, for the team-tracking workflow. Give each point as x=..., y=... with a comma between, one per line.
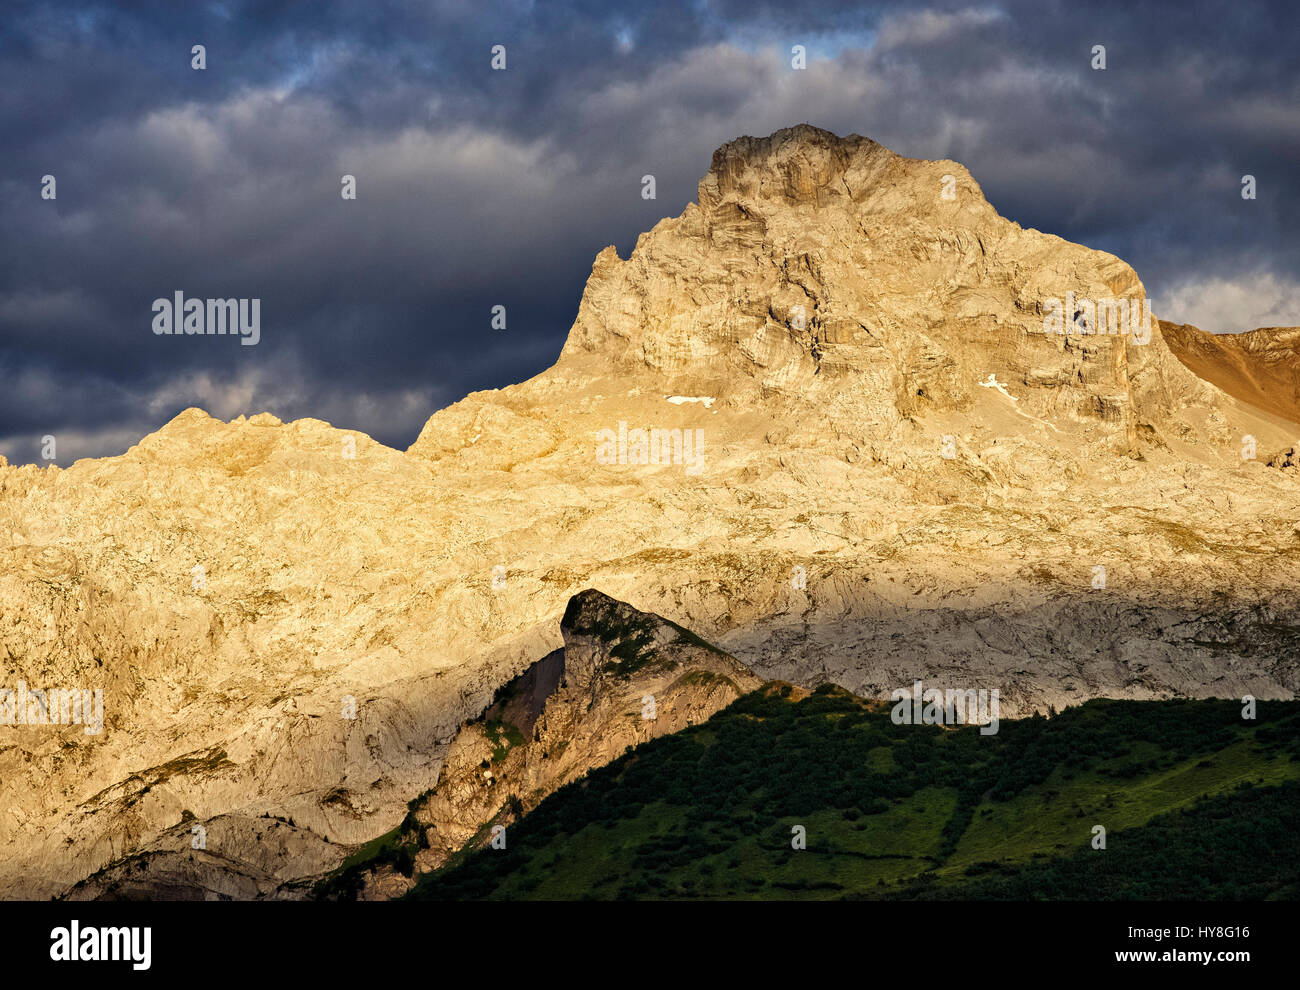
x=478, y=188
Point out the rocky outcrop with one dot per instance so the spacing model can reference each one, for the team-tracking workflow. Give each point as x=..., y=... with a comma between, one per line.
x=622, y=678
x=176, y=865
x=873, y=460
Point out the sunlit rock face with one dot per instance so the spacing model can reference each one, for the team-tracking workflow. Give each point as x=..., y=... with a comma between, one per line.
x=1261, y=367
x=911, y=455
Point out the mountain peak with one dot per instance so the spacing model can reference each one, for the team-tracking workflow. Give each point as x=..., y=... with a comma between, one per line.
x=795, y=165
x=826, y=270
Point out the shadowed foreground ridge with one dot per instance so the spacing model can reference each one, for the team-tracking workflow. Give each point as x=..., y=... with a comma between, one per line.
x=1199, y=804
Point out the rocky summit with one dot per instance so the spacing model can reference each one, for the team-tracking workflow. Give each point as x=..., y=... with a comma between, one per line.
x=840, y=419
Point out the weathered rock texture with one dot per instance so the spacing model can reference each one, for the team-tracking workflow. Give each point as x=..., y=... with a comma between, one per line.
x=823, y=534
x=622, y=678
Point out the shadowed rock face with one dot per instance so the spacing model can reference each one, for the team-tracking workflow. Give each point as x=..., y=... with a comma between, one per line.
x=623, y=677
x=896, y=471
x=1261, y=367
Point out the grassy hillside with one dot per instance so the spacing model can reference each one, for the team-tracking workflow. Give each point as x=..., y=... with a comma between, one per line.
x=1196, y=802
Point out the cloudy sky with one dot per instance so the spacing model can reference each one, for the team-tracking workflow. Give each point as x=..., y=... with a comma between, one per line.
x=478, y=188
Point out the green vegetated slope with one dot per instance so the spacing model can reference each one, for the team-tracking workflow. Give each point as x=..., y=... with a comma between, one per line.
x=1197, y=802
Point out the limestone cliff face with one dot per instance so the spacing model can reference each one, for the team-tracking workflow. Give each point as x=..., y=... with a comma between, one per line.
x=908, y=478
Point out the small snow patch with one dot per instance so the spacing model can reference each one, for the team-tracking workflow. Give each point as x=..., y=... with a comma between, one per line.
x=994, y=383
x=677, y=400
